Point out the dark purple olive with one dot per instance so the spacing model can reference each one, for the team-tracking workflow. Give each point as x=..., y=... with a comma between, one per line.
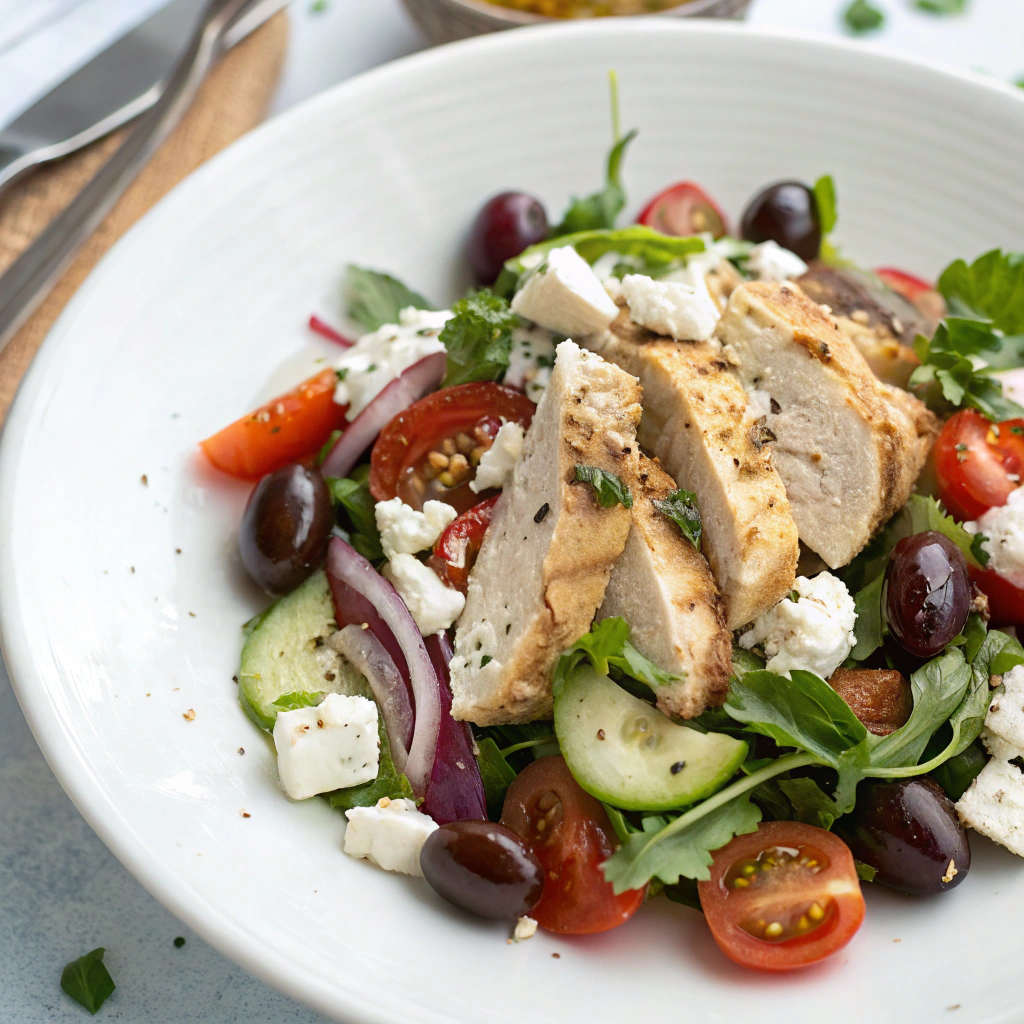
x=506, y=224
x=786, y=213
x=909, y=832
x=285, y=529
x=484, y=868
x=926, y=595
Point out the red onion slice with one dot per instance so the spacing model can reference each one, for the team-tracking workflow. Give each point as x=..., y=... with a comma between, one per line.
x=367, y=655
x=325, y=330
x=411, y=384
x=455, y=791
x=347, y=565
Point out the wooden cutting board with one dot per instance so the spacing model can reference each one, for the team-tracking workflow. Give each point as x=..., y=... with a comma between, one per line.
x=233, y=99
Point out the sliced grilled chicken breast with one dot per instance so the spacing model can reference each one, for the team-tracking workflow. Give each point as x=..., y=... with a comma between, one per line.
x=848, y=447
x=546, y=557
x=662, y=586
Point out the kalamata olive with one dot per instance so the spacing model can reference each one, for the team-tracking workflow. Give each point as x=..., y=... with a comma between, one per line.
x=285, y=529
x=786, y=213
x=506, y=224
x=484, y=868
x=926, y=594
x=909, y=832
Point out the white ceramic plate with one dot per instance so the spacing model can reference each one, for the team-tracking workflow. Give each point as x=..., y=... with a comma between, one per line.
x=111, y=634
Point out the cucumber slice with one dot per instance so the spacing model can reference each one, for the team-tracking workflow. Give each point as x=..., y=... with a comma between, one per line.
x=627, y=753
x=286, y=650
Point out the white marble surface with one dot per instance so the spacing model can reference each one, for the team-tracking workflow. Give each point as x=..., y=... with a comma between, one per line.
x=61, y=892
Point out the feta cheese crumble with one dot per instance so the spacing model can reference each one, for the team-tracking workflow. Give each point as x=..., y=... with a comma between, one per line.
x=530, y=360
x=403, y=530
x=433, y=605
x=1005, y=717
x=813, y=633
x=498, y=462
x=391, y=834
x=332, y=746
x=565, y=295
x=994, y=803
x=1003, y=528
x=525, y=928
x=378, y=358
x=683, y=311
x=768, y=261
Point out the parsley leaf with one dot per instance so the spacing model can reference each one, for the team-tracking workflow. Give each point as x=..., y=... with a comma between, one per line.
x=497, y=775
x=992, y=288
x=87, y=980
x=860, y=16
x=299, y=699
x=375, y=298
x=478, y=338
x=351, y=496
x=681, y=507
x=941, y=6
x=608, y=488
x=389, y=782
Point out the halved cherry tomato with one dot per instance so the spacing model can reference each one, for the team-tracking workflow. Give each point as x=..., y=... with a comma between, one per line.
x=456, y=423
x=978, y=463
x=572, y=837
x=684, y=209
x=282, y=431
x=782, y=897
x=456, y=549
x=1005, y=601
x=907, y=285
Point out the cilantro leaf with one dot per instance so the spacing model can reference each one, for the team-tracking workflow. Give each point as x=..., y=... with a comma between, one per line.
x=389, y=782
x=87, y=980
x=478, y=338
x=497, y=775
x=991, y=288
x=608, y=488
x=351, y=496
x=681, y=507
x=860, y=16
x=298, y=699
x=374, y=298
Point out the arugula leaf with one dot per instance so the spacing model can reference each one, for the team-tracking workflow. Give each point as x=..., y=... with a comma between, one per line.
x=681, y=507
x=654, y=252
x=941, y=6
x=299, y=699
x=680, y=848
x=478, y=338
x=608, y=488
x=992, y=288
x=799, y=799
x=607, y=646
x=497, y=775
x=389, y=782
x=375, y=298
x=825, y=200
x=87, y=980
x=860, y=16
x=352, y=495
x=868, y=627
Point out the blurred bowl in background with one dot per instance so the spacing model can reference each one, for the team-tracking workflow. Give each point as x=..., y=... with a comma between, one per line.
x=447, y=20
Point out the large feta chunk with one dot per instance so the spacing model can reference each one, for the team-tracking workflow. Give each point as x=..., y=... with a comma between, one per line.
x=332, y=746
x=994, y=803
x=1003, y=528
x=768, y=261
x=497, y=463
x=433, y=605
x=530, y=360
x=681, y=310
x=391, y=834
x=403, y=530
x=378, y=358
x=1006, y=712
x=564, y=295
x=813, y=632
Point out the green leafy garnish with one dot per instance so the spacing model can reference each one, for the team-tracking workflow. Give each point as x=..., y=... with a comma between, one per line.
x=860, y=16
x=825, y=200
x=389, y=783
x=865, y=872
x=497, y=775
x=608, y=488
x=352, y=498
x=299, y=699
x=87, y=980
x=478, y=338
x=375, y=298
x=869, y=625
x=601, y=209
x=607, y=646
x=800, y=799
x=941, y=6
x=681, y=507
x=321, y=456
x=990, y=288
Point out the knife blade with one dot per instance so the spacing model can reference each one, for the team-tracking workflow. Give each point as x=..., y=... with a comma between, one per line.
x=117, y=85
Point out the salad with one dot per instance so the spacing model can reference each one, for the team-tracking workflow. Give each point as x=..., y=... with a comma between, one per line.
x=671, y=562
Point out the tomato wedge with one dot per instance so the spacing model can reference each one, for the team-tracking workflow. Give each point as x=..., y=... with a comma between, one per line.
x=978, y=463
x=907, y=285
x=1005, y=601
x=430, y=450
x=456, y=549
x=282, y=431
x=684, y=209
x=782, y=897
x=572, y=837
